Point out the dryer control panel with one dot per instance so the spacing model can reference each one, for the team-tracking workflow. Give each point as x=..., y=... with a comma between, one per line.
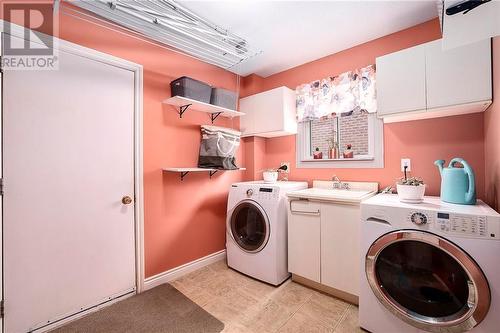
x=268, y=193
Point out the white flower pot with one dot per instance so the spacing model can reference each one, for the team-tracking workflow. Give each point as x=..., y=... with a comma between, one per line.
x=270, y=176
x=411, y=193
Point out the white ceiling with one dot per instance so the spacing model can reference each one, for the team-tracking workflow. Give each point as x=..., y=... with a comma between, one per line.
x=291, y=33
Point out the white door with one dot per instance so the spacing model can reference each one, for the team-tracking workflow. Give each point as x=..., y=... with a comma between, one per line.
x=401, y=81
x=68, y=138
x=457, y=76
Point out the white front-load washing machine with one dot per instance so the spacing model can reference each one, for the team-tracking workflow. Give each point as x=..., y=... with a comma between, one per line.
x=256, y=229
x=429, y=267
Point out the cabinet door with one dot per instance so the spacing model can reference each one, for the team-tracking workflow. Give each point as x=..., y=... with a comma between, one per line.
x=304, y=239
x=340, y=247
x=247, y=122
x=265, y=112
x=481, y=23
x=458, y=76
x=401, y=81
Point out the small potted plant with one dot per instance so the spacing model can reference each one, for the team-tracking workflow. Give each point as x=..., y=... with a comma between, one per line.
x=411, y=190
x=270, y=175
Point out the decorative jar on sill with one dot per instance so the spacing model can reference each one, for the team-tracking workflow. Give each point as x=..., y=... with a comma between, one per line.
x=333, y=151
x=348, y=153
x=317, y=155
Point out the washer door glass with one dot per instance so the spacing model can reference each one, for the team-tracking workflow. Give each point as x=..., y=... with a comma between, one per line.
x=249, y=226
x=422, y=278
x=427, y=281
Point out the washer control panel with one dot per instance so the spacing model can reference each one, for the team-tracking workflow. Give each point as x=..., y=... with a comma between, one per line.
x=473, y=226
x=469, y=225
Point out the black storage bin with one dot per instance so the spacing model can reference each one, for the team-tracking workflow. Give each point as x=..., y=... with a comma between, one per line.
x=191, y=88
x=225, y=98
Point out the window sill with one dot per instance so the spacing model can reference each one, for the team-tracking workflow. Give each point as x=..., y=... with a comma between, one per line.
x=368, y=158
x=342, y=163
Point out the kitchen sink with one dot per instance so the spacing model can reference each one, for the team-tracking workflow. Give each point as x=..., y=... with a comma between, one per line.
x=323, y=190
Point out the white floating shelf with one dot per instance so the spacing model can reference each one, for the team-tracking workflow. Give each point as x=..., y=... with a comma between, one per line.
x=184, y=103
x=185, y=171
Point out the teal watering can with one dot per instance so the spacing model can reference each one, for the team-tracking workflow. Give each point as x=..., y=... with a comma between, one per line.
x=457, y=184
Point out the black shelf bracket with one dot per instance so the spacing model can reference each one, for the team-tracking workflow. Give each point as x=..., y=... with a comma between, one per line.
x=182, y=109
x=212, y=173
x=214, y=116
x=184, y=174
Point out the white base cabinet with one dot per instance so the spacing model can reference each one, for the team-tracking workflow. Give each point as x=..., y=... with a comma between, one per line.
x=323, y=243
x=304, y=233
x=340, y=235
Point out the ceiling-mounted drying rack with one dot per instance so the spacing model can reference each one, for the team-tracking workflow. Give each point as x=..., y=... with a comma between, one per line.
x=215, y=111
x=184, y=171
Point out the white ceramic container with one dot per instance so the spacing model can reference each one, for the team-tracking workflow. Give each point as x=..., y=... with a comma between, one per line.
x=270, y=176
x=411, y=193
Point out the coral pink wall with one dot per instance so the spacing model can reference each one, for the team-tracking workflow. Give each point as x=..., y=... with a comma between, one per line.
x=183, y=220
x=492, y=134
x=423, y=141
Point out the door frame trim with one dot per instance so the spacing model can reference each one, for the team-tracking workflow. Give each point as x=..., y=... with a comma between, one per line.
x=137, y=69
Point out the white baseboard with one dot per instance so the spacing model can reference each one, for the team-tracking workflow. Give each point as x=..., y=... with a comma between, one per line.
x=179, y=271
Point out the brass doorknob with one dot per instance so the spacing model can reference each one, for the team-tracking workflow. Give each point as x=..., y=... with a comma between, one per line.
x=126, y=200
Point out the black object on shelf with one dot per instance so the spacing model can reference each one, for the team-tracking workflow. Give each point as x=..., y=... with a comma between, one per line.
x=465, y=6
x=191, y=88
x=223, y=98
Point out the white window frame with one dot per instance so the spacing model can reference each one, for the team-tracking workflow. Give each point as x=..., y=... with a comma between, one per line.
x=375, y=158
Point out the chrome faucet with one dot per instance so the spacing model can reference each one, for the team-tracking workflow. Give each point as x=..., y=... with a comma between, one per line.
x=338, y=184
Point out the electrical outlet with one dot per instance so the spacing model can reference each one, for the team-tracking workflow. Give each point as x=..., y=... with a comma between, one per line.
x=405, y=162
x=287, y=166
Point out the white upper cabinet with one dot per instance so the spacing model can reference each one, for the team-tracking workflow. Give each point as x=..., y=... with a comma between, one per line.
x=401, y=81
x=458, y=76
x=437, y=82
x=269, y=114
x=482, y=22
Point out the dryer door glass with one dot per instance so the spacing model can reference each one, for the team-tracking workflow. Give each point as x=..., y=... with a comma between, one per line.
x=427, y=281
x=249, y=226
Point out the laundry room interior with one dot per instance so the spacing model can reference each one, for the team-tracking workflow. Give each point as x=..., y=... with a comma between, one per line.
x=250, y=166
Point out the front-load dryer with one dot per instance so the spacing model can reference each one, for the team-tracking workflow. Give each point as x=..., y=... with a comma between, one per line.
x=256, y=229
x=429, y=267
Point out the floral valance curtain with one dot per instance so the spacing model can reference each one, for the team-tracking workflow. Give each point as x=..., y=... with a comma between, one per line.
x=348, y=92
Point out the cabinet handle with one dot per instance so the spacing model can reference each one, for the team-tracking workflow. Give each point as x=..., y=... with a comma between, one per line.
x=302, y=212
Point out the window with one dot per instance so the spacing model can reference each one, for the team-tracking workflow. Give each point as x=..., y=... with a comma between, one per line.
x=358, y=135
x=338, y=126
x=330, y=137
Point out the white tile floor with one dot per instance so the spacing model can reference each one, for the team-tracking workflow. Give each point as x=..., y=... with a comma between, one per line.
x=247, y=305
